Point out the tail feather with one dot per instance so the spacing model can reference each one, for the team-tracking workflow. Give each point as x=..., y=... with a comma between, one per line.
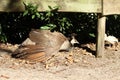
x=31, y=52
x=39, y=57
x=46, y=44
x=36, y=55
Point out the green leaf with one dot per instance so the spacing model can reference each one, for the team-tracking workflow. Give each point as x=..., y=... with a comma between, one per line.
x=25, y=13
x=50, y=7
x=38, y=15
x=33, y=16
x=44, y=27
x=62, y=24
x=42, y=18
x=92, y=35
x=115, y=16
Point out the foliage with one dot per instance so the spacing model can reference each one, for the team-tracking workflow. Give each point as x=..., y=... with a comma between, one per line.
x=51, y=18
x=113, y=25
x=16, y=26
x=31, y=10
x=2, y=35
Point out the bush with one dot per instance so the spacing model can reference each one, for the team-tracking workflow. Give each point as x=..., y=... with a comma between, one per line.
x=16, y=26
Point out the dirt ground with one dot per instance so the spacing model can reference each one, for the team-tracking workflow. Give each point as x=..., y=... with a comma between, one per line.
x=78, y=64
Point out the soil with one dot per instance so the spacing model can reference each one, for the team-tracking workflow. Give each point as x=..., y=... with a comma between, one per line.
x=78, y=64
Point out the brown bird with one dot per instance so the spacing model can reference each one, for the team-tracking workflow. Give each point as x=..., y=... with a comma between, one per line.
x=41, y=45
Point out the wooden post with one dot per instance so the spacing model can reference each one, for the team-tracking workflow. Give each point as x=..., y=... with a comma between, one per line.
x=100, y=36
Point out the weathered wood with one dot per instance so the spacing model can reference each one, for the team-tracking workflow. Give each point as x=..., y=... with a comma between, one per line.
x=100, y=36
x=65, y=5
x=111, y=7
x=11, y=5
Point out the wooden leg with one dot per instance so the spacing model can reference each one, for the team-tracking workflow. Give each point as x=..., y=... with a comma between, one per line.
x=100, y=36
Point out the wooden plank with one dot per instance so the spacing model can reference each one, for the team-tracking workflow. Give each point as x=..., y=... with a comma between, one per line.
x=100, y=36
x=65, y=5
x=11, y=5
x=111, y=7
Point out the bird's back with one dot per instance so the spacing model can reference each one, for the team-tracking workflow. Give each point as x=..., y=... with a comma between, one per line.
x=47, y=43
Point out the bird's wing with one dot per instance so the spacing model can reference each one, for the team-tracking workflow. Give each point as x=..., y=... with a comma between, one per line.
x=47, y=44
